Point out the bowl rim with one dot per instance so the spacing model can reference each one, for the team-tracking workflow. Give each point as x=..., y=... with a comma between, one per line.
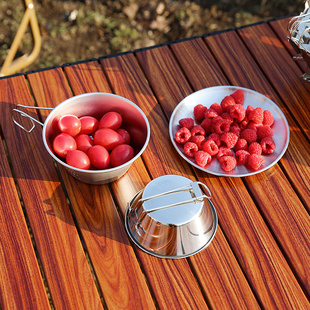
x=102, y=170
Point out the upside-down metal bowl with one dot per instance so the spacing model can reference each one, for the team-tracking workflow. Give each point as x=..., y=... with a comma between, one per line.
x=97, y=104
x=172, y=217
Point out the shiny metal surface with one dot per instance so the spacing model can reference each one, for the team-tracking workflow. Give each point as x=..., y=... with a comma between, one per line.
x=172, y=217
x=96, y=104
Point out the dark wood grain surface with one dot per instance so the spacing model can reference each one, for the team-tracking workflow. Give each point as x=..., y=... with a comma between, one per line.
x=63, y=242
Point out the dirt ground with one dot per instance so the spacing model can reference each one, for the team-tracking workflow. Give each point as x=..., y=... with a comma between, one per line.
x=76, y=30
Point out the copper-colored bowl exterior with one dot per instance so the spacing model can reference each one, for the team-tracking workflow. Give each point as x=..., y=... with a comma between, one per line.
x=96, y=104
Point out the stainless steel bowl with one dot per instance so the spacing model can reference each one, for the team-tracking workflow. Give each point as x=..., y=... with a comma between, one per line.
x=95, y=104
x=172, y=217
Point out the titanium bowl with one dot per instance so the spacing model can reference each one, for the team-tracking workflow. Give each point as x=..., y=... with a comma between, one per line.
x=96, y=104
x=172, y=217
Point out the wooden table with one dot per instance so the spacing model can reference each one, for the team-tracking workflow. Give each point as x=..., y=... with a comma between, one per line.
x=63, y=242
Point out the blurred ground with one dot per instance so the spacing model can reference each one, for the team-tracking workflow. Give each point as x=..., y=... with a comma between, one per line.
x=77, y=30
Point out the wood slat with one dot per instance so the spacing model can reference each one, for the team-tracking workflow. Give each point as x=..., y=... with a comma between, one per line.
x=59, y=248
x=257, y=252
x=284, y=206
x=102, y=229
x=281, y=71
x=172, y=281
x=21, y=284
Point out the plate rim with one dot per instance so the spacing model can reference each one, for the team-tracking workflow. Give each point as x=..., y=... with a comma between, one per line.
x=231, y=88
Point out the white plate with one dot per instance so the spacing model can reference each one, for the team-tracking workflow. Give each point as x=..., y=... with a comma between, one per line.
x=211, y=95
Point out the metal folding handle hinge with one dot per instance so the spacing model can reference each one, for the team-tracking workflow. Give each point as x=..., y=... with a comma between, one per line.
x=23, y=114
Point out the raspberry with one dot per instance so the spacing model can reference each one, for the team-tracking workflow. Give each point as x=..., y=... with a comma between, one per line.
x=224, y=151
x=255, y=148
x=264, y=132
x=187, y=122
x=216, y=119
x=210, y=113
x=199, y=140
x=252, y=125
x=227, y=163
x=249, y=109
x=235, y=129
x=216, y=138
x=238, y=95
x=222, y=126
x=182, y=135
x=229, y=139
x=210, y=147
x=249, y=134
x=206, y=124
x=242, y=157
x=241, y=144
x=227, y=116
x=244, y=122
x=199, y=112
x=268, y=118
x=257, y=115
x=227, y=102
x=217, y=108
x=190, y=149
x=197, y=130
x=202, y=158
x=237, y=112
x=268, y=145
x=255, y=161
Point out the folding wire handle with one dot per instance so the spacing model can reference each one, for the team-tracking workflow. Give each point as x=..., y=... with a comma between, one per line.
x=23, y=114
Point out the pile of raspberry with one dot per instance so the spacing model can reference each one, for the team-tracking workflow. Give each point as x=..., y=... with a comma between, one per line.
x=229, y=132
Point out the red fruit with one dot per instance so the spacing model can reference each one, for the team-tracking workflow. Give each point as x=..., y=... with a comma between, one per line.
x=99, y=156
x=227, y=102
x=69, y=124
x=237, y=112
x=255, y=148
x=216, y=138
x=241, y=144
x=78, y=159
x=199, y=112
x=242, y=157
x=255, y=161
x=238, y=95
x=190, y=148
x=182, y=135
x=210, y=113
x=235, y=129
x=229, y=139
x=202, y=158
x=249, y=134
x=217, y=108
x=64, y=143
x=264, y=132
x=89, y=124
x=206, y=124
x=227, y=163
x=84, y=142
x=197, y=130
x=124, y=134
x=108, y=138
x=224, y=151
x=222, y=126
x=268, y=145
x=249, y=109
x=210, y=147
x=121, y=155
x=268, y=118
x=112, y=120
x=187, y=122
x=257, y=115
x=199, y=140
